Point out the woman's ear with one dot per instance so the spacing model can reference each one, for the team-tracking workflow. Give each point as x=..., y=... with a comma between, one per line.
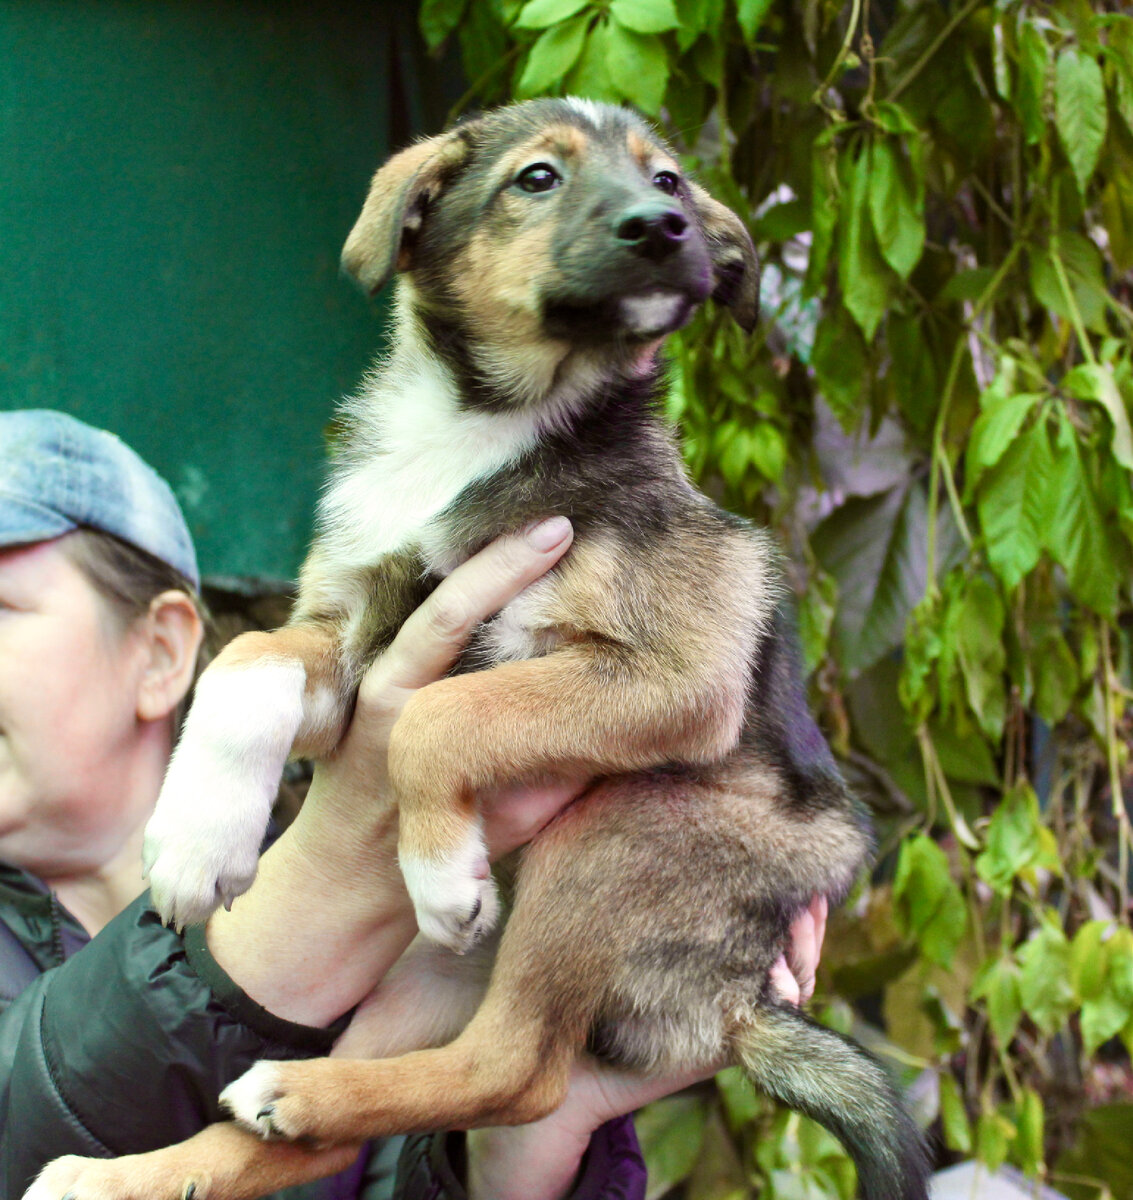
x=173, y=632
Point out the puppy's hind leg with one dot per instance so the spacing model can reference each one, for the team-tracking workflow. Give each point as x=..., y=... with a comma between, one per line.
x=511, y=1065
x=222, y=1162
x=264, y=694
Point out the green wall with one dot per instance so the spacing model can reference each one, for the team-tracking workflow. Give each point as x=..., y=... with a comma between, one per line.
x=176, y=182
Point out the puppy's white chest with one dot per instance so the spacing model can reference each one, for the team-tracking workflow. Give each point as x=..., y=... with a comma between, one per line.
x=426, y=453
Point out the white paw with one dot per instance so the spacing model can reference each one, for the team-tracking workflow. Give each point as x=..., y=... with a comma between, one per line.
x=251, y=1097
x=455, y=898
x=202, y=843
x=196, y=864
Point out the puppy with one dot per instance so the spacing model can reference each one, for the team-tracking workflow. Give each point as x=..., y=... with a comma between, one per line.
x=545, y=251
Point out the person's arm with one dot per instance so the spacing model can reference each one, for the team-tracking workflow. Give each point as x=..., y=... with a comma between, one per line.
x=127, y=1046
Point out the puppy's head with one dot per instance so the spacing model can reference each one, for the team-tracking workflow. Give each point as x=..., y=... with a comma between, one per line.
x=552, y=228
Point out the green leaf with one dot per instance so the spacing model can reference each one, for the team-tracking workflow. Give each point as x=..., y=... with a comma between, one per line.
x=1014, y=841
x=979, y=626
x=671, y=1132
x=483, y=40
x=1117, y=216
x=645, y=16
x=768, y=451
x=1075, y=533
x=998, y=985
x=695, y=17
x=927, y=902
x=539, y=14
x=841, y=364
x=591, y=76
x=1017, y=503
x=1080, y=111
x=555, y=51
x=893, y=118
x=1044, y=984
x=1101, y=1150
x=1031, y=89
x=954, y=1116
x=966, y=285
x=740, y=1102
x=1119, y=51
x=1056, y=677
x=639, y=67
x=751, y=14
x=824, y=212
x=1027, y=1149
x=995, y=430
x=816, y=618
x=863, y=275
x=896, y=202
x=1101, y=973
x=967, y=759
x=1095, y=381
x=914, y=369
x=1082, y=264
x=438, y=18
x=1088, y=963
x=993, y=1133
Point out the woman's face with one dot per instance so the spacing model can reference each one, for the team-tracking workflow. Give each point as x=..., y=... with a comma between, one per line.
x=69, y=679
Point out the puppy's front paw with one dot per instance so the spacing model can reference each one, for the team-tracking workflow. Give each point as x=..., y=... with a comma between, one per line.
x=263, y=1103
x=203, y=841
x=455, y=898
x=251, y=1097
x=201, y=844
x=75, y=1178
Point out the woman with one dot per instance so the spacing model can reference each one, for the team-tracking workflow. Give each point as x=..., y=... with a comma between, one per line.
x=118, y=1034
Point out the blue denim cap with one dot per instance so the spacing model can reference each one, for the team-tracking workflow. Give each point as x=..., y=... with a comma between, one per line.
x=57, y=473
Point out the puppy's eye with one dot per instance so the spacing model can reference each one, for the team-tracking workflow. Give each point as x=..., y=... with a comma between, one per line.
x=667, y=182
x=539, y=177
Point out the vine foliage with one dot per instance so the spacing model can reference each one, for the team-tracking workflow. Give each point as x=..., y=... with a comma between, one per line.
x=935, y=417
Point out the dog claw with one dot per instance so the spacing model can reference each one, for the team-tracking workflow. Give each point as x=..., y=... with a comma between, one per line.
x=189, y=1192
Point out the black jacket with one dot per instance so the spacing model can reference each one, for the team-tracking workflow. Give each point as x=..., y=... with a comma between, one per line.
x=126, y=1046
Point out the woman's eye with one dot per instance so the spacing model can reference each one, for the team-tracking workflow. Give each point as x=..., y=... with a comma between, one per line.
x=667, y=182
x=539, y=177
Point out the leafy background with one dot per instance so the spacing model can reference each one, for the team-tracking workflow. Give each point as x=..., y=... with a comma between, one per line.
x=935, y=417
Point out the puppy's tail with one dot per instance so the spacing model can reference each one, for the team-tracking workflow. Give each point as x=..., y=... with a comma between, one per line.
x=828, y=1077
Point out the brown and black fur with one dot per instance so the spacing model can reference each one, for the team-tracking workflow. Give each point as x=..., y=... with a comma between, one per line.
x=659, y=660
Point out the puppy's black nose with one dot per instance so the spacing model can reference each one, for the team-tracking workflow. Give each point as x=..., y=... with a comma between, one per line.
x=652, y=229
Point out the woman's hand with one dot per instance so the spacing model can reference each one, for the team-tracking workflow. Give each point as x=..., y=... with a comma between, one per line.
x=427, y=646
x=505, y=1163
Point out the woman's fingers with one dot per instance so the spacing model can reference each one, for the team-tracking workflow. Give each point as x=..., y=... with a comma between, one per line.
x=432, y=638
x=794, y=974
x=513, y=815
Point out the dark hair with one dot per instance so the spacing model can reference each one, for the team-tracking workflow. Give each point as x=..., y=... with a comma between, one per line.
x=129, y=579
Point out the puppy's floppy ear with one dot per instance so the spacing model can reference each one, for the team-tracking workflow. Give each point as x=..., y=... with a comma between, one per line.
x=382, y=239
x=735, y=265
